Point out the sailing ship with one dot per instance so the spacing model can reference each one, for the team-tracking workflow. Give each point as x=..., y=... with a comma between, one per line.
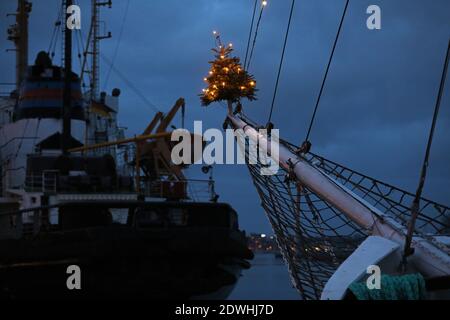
x=76, y=192
x=333, y=224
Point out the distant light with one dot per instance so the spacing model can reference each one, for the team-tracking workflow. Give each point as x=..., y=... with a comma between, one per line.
x=214, y=32
x=264, y=3
x=263, y=235
x=230, y=44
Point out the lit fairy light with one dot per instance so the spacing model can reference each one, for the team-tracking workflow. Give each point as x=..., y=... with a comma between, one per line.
x=227, y=80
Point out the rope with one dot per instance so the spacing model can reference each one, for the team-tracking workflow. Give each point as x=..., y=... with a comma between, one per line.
x=250, y=32
x=416, y=203
x=281, y=59
x=326, y=71
x=405, y=287
x=54, y=38
x=254, y=38
x=59, y=31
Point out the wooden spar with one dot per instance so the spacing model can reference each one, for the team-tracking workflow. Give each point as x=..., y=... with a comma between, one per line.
x=123, y=141
x=431, y=260
x=158, y=116
x=165, y=121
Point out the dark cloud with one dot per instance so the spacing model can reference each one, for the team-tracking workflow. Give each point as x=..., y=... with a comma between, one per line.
x=377, y=105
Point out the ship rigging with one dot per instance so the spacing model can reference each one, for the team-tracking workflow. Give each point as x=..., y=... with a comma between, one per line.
x=332, y=222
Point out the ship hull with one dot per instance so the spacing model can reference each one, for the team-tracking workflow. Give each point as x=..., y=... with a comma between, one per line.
x=124, y=263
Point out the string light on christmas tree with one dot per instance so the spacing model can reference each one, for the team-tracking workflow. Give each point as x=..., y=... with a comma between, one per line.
x=227, y=80
x=264, y=3
x=217, y=37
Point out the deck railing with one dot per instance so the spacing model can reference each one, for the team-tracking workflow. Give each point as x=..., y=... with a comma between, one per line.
x=51, y=182
x=190, y=189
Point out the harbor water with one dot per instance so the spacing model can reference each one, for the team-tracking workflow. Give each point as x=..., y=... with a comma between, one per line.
x=267, y=279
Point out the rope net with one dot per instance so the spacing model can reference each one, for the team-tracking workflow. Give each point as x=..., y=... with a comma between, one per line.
x=314, y=237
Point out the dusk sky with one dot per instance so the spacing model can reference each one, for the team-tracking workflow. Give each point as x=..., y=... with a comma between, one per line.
x=377, y=104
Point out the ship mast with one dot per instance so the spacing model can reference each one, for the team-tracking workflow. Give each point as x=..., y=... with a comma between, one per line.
x=67, y=93
x=18, y=33
x=93, y=48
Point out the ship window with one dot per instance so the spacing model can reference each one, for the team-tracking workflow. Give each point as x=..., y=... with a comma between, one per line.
x=161, y=217
x=150, y=218
x=177, y=216
x=119, y=215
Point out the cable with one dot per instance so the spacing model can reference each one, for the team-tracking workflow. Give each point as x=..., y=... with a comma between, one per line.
x=117, y=45
x=250, y=32
x=21, y=139
x=36, y=132
x=326, y=71
x=85, y=63
x=79, y=45
x=281, y=59
x=55, y=29
x=416, y=202
x=56, y=39
x=79, y=42
x=254, y=38
x=130, y=85
x=52, y=39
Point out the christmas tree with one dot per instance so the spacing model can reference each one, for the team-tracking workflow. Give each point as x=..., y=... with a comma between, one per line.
x=227, y=79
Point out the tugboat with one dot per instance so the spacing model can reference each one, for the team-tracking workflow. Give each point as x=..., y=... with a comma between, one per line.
x=76, y=194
